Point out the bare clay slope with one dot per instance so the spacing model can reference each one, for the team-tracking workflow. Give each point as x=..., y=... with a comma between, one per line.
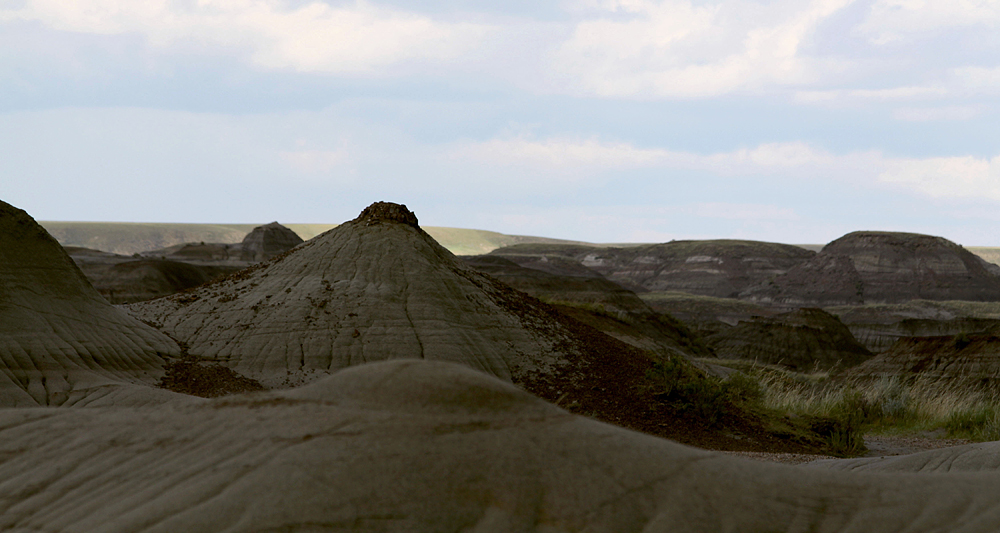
x=60, y=341
x=375, y=288
x=867, y=267
x=420, y=446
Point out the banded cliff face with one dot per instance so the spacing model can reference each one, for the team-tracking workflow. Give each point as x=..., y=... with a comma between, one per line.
x=963, y=359
x=883, y=267
x=720, y=268
x=803, y=340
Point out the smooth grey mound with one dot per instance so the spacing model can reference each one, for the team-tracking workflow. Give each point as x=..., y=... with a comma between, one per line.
x=268, y=241
x=420, y=446
x=61, y=343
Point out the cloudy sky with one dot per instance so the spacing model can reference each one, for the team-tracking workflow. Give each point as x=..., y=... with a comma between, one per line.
x=599, y=120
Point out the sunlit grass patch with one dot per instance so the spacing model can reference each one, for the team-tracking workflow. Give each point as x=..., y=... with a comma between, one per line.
x=887, y=405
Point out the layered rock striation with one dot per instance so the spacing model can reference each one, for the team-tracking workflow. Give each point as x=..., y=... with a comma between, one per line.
x=591, y=298
x=803, y=340
x=882, y=267
x=61, y=343
x=721, y=268
x=963, y=359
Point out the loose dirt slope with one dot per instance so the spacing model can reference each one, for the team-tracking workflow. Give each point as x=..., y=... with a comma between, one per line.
x=421, y=446
x=60, y=341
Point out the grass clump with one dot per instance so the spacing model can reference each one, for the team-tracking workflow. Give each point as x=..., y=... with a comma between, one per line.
x=886, y=405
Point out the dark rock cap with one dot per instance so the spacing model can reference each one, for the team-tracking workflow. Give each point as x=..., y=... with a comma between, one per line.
x=387, y=212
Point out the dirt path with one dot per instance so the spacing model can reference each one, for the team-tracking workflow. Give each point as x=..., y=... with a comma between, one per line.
x=884, y=446
x=878, y=446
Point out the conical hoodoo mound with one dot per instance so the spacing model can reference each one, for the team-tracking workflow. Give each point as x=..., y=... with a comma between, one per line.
x=379, y=288
x=374, y=288
x=60, y=341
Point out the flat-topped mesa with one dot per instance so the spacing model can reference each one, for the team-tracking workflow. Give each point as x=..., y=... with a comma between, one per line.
x=380, y=212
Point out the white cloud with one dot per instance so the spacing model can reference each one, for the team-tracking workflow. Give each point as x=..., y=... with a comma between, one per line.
x=674, y=48
x=927, y=114
x=978, y=79
x=316, y=161
x=312, y=37
x=906, y=93
x=558, y=154
x=963, y=177
x=581, y=158
x=894, y=20
x=946, y=177
x=747, y=212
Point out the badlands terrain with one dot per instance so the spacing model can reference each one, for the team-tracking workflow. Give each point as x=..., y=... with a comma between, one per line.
x=379, y=376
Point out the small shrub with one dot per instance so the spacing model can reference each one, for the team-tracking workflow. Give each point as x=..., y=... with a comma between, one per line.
x=961, y=340
x=687, y=389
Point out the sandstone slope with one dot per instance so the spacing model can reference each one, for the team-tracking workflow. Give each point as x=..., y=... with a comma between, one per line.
x=379, y=288
x=421, y=446
x=978, y=457
x=61, y=343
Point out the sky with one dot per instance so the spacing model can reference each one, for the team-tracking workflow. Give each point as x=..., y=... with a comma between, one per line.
x=599, y=120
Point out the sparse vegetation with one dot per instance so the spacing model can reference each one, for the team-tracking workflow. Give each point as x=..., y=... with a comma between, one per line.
x=686, y=388
x=880, y=406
